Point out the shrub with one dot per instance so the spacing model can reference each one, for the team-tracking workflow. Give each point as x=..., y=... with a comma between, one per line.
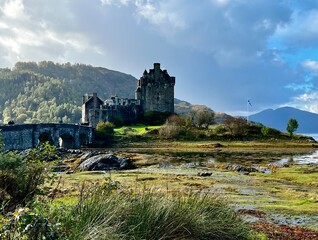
x=117, y=121
x=25, y=223
x=176, y=120
x=219, y=130
x=1, y=142
x=170, y=131
x=22, y=176
x=155, y=117
x=270, y=132
x=105, y=133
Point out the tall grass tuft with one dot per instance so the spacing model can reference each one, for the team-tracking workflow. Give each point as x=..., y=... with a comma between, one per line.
x=153, y=216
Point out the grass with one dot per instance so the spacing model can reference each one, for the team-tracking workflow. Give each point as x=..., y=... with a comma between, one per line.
x=152, y=215
x=289, y=191
x=134, y=130
x=304, y=175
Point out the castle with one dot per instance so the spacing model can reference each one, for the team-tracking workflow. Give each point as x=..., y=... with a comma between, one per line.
x=155, y=92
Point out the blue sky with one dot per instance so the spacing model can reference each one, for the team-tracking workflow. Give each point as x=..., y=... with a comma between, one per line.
x=222, y=52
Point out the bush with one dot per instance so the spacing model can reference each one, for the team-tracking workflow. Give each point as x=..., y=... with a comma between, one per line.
x=22, y=176
x=1, y=142
x=105, y=133
x=170, y=131
x=117, y=121
x=176, y=120
x=219, y=130
x=25, y=223
x=270, y=132
x=155, y=117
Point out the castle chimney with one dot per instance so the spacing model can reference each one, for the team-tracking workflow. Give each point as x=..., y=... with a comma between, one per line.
x=156, y=66
x=157, y=70
x=95, y=100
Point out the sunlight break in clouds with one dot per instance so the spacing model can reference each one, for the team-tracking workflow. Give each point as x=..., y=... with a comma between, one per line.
x=13, y=9
x=26, y=37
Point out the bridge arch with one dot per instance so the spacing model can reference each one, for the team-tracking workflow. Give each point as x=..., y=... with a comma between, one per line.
x=66, y=140
x=24, y=136
x=45, y=137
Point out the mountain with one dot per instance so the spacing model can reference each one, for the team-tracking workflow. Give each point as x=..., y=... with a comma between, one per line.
x=307, y=121
x=50, y=92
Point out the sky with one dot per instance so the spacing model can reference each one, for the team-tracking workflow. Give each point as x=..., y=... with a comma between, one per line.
x=223, y=53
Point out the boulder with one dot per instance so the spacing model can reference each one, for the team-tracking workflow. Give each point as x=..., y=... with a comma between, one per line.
x=106, y=162
x=204, y=174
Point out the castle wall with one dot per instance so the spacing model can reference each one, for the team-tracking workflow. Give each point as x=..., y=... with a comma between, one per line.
x=129, y=114
x=156, y=90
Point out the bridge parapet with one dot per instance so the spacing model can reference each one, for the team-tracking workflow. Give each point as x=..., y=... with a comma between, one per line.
x=24, y=136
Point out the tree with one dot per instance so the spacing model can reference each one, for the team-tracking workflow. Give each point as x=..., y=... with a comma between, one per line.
x=292, y=126
x=105, y=133
x=202, y=118
x=105, y=129
x=237, y=126
x=1, y=142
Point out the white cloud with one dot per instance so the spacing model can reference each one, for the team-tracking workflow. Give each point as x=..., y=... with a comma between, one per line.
x=312, y=66
x=115, y=2
x=217, y=49
x=302, y=31
x=306, y=101
x=27, y=33
x=13, y=9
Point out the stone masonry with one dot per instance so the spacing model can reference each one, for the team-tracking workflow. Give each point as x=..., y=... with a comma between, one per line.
x=155, y=92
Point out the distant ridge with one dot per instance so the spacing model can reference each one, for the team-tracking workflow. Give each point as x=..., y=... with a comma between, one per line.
x=307, y=121
x=184, y=108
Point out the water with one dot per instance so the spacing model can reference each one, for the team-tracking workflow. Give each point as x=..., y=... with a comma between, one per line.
x=314, y=135
x=301, y=159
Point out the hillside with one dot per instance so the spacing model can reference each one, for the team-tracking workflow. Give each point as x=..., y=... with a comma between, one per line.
x=184, y=108
x=51, y=92
x=307, y=121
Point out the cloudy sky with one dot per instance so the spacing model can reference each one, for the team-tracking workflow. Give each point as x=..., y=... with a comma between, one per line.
x=222, y=52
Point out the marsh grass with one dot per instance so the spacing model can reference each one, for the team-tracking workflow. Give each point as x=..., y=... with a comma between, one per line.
x=106, y=213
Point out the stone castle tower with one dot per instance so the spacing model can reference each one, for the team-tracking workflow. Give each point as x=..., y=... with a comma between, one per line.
x=155, y=90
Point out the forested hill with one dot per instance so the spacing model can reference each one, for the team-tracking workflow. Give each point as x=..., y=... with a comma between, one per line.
x=50, y=92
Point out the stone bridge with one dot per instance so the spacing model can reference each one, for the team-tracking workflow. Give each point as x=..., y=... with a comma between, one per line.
x=24, y=136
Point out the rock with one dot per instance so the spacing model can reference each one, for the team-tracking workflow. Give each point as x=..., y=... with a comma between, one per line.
x=204, y=174
x=217, y=145
x=105, y=162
